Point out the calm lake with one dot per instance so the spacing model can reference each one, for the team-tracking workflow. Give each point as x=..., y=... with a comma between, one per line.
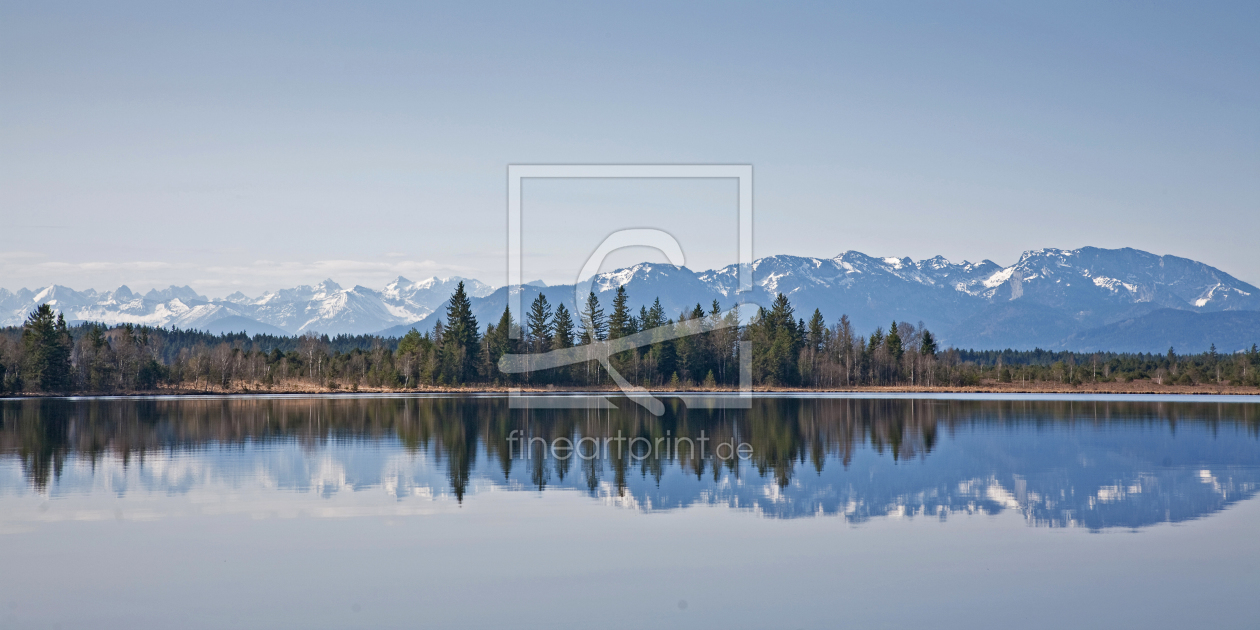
x=460, y=512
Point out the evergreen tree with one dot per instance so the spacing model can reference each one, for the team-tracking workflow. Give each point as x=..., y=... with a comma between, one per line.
x=409, y=343
x=619, y=321
x=846, y=349
x=408, y=357
x=460, y=339
x=498, y=343
x=815, y=338
x=893, y=341
x=815, y=332
x=46, y=348
x=594, y=327
x=877, y=339
x=656, y=315
x=563, y=337
x=540, y=324
x=927, y=346
x=651, y=319
x=665, y=353
x=777, y=339
x=685, y=348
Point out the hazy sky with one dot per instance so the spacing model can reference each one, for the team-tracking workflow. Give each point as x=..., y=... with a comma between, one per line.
x=242, y=146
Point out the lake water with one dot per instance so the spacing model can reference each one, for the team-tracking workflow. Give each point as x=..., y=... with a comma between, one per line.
x=801, y=512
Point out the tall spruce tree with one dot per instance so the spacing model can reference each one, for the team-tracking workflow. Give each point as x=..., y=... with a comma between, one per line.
x=816, y=331
x=777, y=338
x=660, y=356
x=594, y=327
x=563, y=337
x=655, y=316
x=499, y=342
x=46, y=349
x=460, y=339
x=619, y=320
x=927, y=344
x=540, y=324
x=893, y=341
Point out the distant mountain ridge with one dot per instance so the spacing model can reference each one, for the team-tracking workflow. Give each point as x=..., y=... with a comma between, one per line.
x=1044, y=300
x=1050, y=298
x=325, y=307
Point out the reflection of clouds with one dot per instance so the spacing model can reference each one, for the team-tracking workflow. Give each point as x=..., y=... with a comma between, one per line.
x=279, y=481
x=278, y=467
x=1063, y=477
x=610, y=495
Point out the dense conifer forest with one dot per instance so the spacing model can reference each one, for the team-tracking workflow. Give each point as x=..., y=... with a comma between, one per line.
x=46, y=355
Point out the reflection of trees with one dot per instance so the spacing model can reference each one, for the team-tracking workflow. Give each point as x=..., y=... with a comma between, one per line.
x=782, y=432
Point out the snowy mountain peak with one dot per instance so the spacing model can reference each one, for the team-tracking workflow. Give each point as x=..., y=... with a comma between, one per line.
x=184, y=293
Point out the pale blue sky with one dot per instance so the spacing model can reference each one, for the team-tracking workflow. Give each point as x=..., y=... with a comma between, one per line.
x=242, y=146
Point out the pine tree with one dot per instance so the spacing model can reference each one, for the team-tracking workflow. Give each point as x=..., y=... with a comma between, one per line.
x=563, y=337
x=876, y=340
x=655, y=316
x=46, y=348
x=893, y=341
x=788, y=336
x=407, y=357
x=665, y=353
x=594, y=327
x=927, y=346
x=846, y=348
x=815, y=332
x=686, y=348
x=410, y=342
x=498, y=343
x=777, y=338
x=619, y=321
x=540, y=324
x=815, y=336
x=460, y=339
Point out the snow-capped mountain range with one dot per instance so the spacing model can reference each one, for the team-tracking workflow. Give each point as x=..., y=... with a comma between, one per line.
x=1046, y=299
x=325, y=307
x=1043, y=300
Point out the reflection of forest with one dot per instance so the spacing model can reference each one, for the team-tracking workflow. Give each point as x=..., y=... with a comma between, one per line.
x=782, y=432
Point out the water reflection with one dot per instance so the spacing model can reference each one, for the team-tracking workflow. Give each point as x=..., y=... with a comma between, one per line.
x=1059, y=463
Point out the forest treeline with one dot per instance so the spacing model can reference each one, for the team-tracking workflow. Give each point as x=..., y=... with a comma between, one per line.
x=47, y=355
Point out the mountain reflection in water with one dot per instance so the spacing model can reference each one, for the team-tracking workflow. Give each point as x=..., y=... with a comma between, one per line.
x=1059, y=463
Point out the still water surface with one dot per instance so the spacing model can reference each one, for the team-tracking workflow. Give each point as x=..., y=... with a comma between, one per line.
x=406, y=512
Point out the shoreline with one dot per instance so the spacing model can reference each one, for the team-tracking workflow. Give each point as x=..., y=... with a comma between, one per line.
x=1145, y=387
